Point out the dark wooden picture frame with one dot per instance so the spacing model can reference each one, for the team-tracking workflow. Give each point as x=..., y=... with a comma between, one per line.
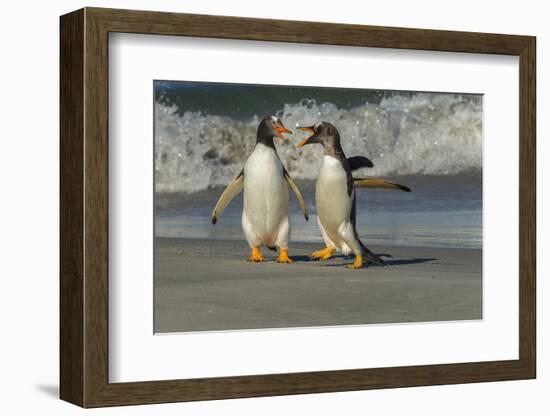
x=84, y=207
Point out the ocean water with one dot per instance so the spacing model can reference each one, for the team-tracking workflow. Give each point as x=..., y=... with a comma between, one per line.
x=431, y=142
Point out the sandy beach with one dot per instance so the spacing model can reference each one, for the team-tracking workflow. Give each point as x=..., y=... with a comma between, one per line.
x=206, y=285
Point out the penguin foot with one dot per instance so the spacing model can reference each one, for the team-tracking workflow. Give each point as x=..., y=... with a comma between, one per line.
x=323, y=254
x=357, y=264
x=283, y=257
x=256, y=256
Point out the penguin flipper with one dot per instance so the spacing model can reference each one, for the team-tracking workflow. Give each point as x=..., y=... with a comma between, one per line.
x=378, y=183
x=232, y=190
x=298, y=194
x=358, y=162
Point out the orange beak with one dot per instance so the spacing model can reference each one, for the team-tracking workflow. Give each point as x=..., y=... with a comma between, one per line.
x=309, y=130
x=279, y=130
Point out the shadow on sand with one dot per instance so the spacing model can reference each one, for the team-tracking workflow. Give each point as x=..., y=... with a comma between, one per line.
x=401, y=262
x=389, y=262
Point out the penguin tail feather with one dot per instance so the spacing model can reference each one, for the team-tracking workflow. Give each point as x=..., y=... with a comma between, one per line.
x=272, y=248
x=370, y=258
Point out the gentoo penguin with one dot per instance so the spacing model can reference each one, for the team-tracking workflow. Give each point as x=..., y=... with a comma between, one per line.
x=335, y=196
x=265, y=182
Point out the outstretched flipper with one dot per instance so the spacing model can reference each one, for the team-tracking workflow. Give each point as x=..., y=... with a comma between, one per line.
x=232, y=190
x=298, y=194
x=378, y=183
x=358, y=162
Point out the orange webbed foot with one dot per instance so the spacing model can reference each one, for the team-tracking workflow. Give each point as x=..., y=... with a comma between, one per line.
x=283, y=257
x=256, y=256
x=357, y=264
x=323, y=254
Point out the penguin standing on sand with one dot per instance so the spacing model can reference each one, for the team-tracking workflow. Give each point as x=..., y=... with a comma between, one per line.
x=335, y=196
x=265, y=182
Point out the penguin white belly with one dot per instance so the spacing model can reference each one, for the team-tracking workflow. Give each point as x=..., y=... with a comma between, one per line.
x=265, y=208
x=334, y=204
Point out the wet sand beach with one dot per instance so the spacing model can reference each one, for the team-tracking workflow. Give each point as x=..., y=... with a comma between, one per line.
x=206, y=285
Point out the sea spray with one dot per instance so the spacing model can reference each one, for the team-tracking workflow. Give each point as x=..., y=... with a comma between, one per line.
x=413, y=134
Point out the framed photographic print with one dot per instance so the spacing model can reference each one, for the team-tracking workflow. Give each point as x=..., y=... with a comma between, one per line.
x=256, y=207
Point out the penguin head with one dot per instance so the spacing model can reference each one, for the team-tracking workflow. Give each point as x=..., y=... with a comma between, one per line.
x=270, y=127
x=323, y=133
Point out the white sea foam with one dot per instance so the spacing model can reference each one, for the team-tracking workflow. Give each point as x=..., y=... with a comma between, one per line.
x=437, y=134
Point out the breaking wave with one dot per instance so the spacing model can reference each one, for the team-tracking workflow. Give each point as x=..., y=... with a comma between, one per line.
x=422, y=133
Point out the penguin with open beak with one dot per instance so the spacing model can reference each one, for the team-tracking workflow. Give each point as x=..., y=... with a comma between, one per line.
x=335, y=196
x=265, y=182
